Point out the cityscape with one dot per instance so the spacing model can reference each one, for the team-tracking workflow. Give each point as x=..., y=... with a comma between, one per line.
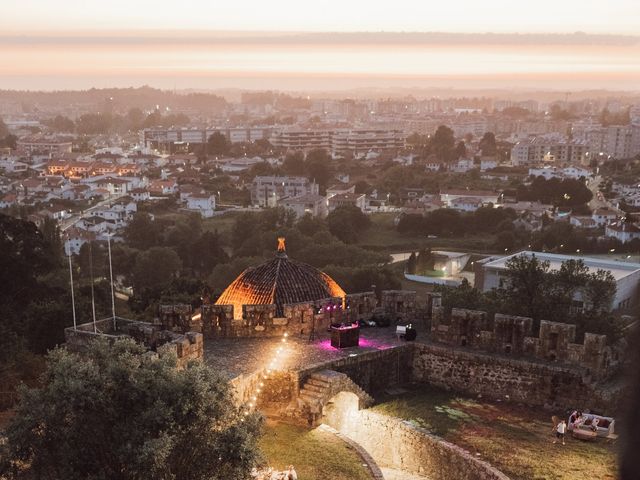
x=278, y=242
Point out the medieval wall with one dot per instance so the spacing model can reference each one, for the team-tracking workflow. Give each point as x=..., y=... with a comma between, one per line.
x=399, y=305
x=501, y=378
x=513, y=336
x=217, y=321
x=412, y=449
x=186, y=347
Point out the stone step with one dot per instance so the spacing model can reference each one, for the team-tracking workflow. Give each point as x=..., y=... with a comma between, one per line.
x=312, y=393
x=327, y=375
x=310, y=399
x=319, y=383
x=315, y=388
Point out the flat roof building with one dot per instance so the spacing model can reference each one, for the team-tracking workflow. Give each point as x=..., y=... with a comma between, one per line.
x=490, y=273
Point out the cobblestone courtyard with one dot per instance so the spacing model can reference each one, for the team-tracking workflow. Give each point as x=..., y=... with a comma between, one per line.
x=236, y=356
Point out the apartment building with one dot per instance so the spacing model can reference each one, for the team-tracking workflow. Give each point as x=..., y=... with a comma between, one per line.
x=340, y=140
x=540, y=150
x=266, y=191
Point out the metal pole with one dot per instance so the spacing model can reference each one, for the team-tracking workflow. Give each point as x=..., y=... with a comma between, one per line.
x=73, y=301
x=93, y=298
x=113, y=298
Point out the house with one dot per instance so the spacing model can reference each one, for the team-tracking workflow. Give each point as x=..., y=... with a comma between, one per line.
x=485, y=196
x=604, y=216
x=187, y=190
x=488, y=163
x=163, y=187
x=463, y=165
x=114, y=185
x=356, y=199
x=340, y=189
x=139, y=194
x=312, y=204
x=466, y=204
x=75, y=238
x=624, y=232
x=407, y=194
x=583, y=221
x=432, y=166
x=203, y=203
x=8, y=200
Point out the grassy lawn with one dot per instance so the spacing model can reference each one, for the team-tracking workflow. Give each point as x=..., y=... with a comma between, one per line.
x=383, y=236
x=515, y=439
x=315, y=454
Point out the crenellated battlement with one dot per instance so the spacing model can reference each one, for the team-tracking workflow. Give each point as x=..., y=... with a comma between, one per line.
x=514, y=336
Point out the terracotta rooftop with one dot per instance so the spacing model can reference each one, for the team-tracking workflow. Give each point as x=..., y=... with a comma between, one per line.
x=280, y=281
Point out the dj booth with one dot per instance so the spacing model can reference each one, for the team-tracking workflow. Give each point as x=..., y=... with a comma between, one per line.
x=343, y=336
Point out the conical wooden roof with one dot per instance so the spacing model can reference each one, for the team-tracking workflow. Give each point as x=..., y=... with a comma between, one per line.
x=279, y=281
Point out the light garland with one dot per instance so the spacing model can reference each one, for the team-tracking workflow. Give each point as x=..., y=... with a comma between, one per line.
x=273, y=364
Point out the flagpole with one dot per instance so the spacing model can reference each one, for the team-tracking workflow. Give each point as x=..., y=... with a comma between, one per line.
x=93, y=298
x=113, y=297
x=73, y=301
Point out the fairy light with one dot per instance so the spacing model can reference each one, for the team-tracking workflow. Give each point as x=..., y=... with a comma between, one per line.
x=272, y=365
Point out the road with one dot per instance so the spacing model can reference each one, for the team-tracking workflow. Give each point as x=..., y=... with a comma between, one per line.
x=598, y=201
x=67, y=223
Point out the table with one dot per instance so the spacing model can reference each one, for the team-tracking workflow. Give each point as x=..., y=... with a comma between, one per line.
x=345, y=336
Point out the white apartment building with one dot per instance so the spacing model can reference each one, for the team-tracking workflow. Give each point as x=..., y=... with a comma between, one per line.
x=616, y=141
x=340, y=140
x=266, y=191
x=312, y=204
x=165, y=138
x=539, y=150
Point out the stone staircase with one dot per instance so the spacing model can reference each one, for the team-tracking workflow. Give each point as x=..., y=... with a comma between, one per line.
x=321, y=386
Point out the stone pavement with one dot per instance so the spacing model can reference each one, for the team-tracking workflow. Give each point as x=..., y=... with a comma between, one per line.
x=236, y=356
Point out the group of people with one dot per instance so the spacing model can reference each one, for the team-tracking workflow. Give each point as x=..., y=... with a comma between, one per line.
x=271, y=474
x=577, y=419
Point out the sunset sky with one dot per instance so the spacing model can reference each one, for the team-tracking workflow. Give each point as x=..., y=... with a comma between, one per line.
x=257, y=44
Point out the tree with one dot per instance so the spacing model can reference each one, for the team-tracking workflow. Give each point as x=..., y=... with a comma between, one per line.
x=118, y=414
x=318, y=169
x=411, y=264
x=217, y=144
x=347, y=223
x=526, y=285
x=442, y=144
x=61, y=124
x=460, y=150
x=294, y=164
x=488, y=145
x=142, y=232
x=155, y=268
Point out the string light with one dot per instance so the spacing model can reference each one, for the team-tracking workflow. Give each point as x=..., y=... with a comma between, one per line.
x=273, y=363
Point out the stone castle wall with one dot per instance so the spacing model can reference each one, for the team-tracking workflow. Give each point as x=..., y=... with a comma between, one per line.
x=513, y=336
x=508, y=379
x=412, y=449
x=188, y=346
x=217, y=321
